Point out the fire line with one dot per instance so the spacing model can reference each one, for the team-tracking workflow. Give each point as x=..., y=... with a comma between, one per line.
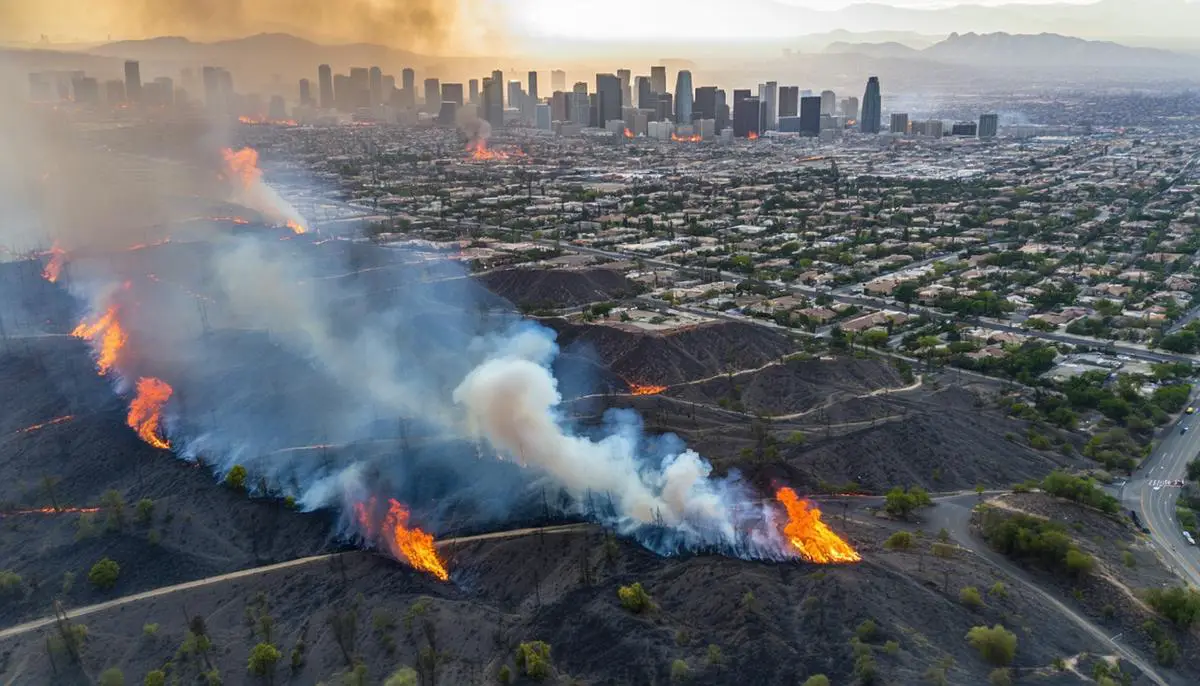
x=815, y=541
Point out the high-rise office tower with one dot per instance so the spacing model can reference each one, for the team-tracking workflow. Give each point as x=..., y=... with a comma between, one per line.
x=683, y=97
x=665, y=109
x=305, y=93
x=533, y=86
x=133, y=81
x=341, y=92
x=989, y=125
x=722, y=116
x=872, y=108
x=581, y=106
x=473, y=91
x=645, y=95
x=608, y=99
x=705, y=106
x=325, y=86
x=114, y=92
x=516, y=95
x=850, y=108
x=828, y=103
x=558, y=80
x=541, y=116
x=560, y=106
x=389, y=89
x=626, y=76
x=747, y=114
x=360, y=89
x=789, y=101
x=964, y=128
x=769, y=98
x=658, y=79
x=899, y=123
x=408, y=88
x=433, y=95
x=375, y=85
x=498, y=77
x=453, y=92
x=86, y=90
x=810, y=116
x=277, y=109
x=493, y=102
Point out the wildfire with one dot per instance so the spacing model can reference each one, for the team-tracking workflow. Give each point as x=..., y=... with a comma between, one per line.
x=105, y=333
x=815, y=541
x=694, y=138
x=295, y=227
x=242, y=165
x=52, y=422
x=479, y=151
x=410, y=544
x=628, y=133
x=54, y=266
x=753, y=136
x=639, y=389
x=51, y=510
x=234, y=220
x=259, y=119
x=145, y=412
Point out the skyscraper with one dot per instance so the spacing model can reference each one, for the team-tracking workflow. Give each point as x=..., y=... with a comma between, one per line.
x=305, y=93
x=453, y=92
x=769, y=98
x=408, y=88
x=515, y=94
x=989, y=125
x=433, y=96
x=580, y=104
x=872, y=108
x=810, y=116
x=789, y=101
x=360, y=89
x=828, y=103
x=645, y=95
x=375, y=84
x=658, y=79
x=850, y=108
x=608, y=98
x=325, y=85
x=705, y=106
x=747, y=114
x=133, y=81
x=473, y=91
x=899, y=123
x=722, y=110
x=558, y=80
x=498, y=77
x=624, y=75
x=533, y=86
x=683, y=98
x=493, y=102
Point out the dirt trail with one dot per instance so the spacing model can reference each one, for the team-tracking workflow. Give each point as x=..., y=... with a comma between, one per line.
x=199, y=583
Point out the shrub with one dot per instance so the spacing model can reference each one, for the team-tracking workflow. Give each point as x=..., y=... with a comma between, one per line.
x=680, y=672
x=1079, y=563
x=817, y=680
x=997, y=645
x=864, y=669
x=1181, y=606
x=104, y=573
x=236, y=478
x=634, y=598
x=970, y=597
x=1032, y=538
x=144, y=511
x=901, y=503
x=111, y=677
x=1081, y=490
x=714, y=657
x=533, y=659
x=156, y=677
x=866, y=631
x=10, y=582
x=901, y=540
x=936, y=676
x=1000, y=677
x=407, y=676
x=68, y=582
x=891, y=647
x=943, y=550
x=262, y=659
x=1128, y=559
x=505, y=676
x=150, y=630
x=999, y=590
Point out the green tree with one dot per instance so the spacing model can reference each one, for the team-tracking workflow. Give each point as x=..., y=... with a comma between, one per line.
x=10, y=582
x=1181, y=606
x=901, y=540
x=970, y=597
x=680, y=672
x=144, y=511
x=155, y=677
x=634, y=598
x=997, y=645
x=817, y=680
x=714, y=655
x=111, y=677
x=104, y=573
x=533, y=659
x=407, y=676
x=263, y=658
x=902, y=503
x=236, y=478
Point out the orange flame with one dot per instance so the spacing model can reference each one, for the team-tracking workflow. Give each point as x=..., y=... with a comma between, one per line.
x=106, y=333
x=234, y=220
x=479, y=151
x=628, y=133
x=815, y=541
x=694, y=138
x=259, y=119
x=242, y=165
x=753, y=136
x=296, y=228
x=410, y=544
x=50, y=510
x=639, y=389
x=52, y=422
x=145, y=412
x=54, y=266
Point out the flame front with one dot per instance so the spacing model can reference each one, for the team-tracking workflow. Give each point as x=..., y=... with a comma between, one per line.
x=752, y=136
x=694, y=138
x=296, y=227
x=51, y=510
x=242, y=165
x=107, y=335
x=479, y=151
x=639, y=389
x=259, y=119
x=815, y=541
x=408, y=543
x=54, y=266
x=145, y=412
x=52, y=422
x=628, y=133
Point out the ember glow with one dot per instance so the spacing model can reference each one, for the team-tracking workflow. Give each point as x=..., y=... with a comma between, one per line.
x=753, y=136
x=260, y=120
x=404, y=542
x=628, y=133
x=815, y=541
x=694, y=138
x=52, y=422
x=54, y=266
x=639, y=389
x=480, y=151
x=51, y=510
x=106, y=335
x=145, y=412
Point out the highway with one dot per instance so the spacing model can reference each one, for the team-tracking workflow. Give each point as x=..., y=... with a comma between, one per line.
x=1149, y=494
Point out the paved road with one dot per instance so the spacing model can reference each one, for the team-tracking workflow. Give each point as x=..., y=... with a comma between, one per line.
x=199, y=583
x=1146, y=494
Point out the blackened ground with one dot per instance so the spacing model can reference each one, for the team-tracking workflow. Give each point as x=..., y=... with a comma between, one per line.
x=557, y=288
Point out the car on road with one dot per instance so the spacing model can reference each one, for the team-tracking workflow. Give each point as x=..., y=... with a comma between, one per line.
x=1190, y=410
x=1183, y=429
x=1188, y=536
